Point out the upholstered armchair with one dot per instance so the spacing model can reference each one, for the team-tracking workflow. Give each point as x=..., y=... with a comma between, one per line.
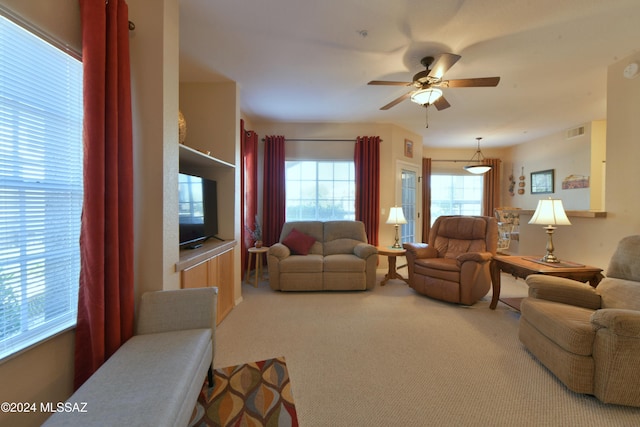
x=454, y=265
x=589, y=338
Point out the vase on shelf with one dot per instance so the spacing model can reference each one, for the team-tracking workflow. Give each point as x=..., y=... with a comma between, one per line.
x=182, y=128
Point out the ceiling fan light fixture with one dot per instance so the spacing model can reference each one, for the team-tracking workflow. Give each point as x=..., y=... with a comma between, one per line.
x=475, y=165
x=426, y=96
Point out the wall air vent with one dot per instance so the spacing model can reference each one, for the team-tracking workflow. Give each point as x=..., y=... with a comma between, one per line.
x=575, y=132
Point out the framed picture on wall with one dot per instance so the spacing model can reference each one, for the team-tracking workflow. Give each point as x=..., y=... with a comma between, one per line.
x=542, y=182
x=408, y=148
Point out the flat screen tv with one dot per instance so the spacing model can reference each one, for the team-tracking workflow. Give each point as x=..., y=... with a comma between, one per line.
x=197, y=210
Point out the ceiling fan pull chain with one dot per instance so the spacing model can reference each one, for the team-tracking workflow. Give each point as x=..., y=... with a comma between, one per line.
x=426, y=115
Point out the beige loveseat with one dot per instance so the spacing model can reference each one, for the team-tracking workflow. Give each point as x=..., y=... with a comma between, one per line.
x=320, y=256
x=589, y=338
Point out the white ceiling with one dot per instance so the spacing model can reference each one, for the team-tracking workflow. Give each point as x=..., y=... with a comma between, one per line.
x=309, y=61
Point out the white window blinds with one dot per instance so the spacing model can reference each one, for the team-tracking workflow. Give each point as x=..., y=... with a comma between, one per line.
x=40, y=188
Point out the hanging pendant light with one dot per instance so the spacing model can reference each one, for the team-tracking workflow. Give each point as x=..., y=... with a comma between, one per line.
x=475, y=165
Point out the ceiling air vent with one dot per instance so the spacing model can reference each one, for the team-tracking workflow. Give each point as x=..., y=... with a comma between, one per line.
x=572, y=133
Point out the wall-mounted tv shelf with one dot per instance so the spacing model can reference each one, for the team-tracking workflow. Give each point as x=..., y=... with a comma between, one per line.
x=191, y=157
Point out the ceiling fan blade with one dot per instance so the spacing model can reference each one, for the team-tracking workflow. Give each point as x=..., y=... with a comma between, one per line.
x=441, y=103
x=477, y=82
x=386, y=83
x=442, y=64
x=396, y=101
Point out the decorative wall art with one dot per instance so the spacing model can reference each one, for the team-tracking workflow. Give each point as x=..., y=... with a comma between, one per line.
x=521, y=184
x=512, y=183
x=542, y=182
x=408, y=148
x=575, y=181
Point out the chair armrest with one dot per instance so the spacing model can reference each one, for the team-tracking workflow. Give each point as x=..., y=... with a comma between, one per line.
x=364, y=250
x=420, y=250
x=279, y=251
x=563, y=290
x=620, y=322
x=480, y=257
x=176, y=310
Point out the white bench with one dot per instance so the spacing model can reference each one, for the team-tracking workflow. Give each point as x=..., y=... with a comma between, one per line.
x=155, y=378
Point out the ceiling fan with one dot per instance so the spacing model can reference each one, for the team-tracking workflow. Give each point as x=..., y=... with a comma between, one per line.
x=427, y=83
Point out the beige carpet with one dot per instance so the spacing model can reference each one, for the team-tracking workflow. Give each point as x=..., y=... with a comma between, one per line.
x=391, y=357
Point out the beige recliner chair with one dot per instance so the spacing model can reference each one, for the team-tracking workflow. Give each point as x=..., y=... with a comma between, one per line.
x=454, y=265
x=589, y=338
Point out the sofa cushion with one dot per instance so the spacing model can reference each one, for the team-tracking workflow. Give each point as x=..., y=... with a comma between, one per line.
x=438, y=268
x=624, y=262
x=344, y=262
x=457, y=235
x=298, y=242
x=566, y=325
x=301, y=264
x=341, y=237
x=618, y=293
x=314, y=229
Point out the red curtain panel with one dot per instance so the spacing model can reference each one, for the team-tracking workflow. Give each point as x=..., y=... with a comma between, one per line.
x=367, y=169
x=426, y=199
x=273, y=211
x=491, y=187
x=106, y=299
x=249, y=183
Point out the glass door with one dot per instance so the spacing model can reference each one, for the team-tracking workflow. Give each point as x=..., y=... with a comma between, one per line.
x=409, y=206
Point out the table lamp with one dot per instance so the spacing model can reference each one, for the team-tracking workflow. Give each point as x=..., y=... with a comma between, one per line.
x=550, y=213
x=396, y=217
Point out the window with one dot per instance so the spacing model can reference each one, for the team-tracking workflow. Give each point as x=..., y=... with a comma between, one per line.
x=40, y=188
x=456, y=195
x=320, y=190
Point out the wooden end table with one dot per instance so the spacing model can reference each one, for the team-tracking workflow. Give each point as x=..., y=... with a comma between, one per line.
x=391, y=254
x=522, y=266
x=257, y=255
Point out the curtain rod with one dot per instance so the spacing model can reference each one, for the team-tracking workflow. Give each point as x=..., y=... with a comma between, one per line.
x=450, y=160
x=319, y=140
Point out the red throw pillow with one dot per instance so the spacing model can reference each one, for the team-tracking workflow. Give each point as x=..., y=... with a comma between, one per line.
x=299, y=243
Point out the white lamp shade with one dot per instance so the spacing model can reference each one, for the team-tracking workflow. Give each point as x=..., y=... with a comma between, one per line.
x=550, y=212
x=478, y=169
x=396, y=216
x=426, y=96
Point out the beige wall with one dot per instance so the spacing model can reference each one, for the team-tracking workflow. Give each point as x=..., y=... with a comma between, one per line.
x=154, y=75
x=565, y=156
x=598, y=165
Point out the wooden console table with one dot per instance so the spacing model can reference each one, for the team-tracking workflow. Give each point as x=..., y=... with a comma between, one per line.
x=522, y=266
